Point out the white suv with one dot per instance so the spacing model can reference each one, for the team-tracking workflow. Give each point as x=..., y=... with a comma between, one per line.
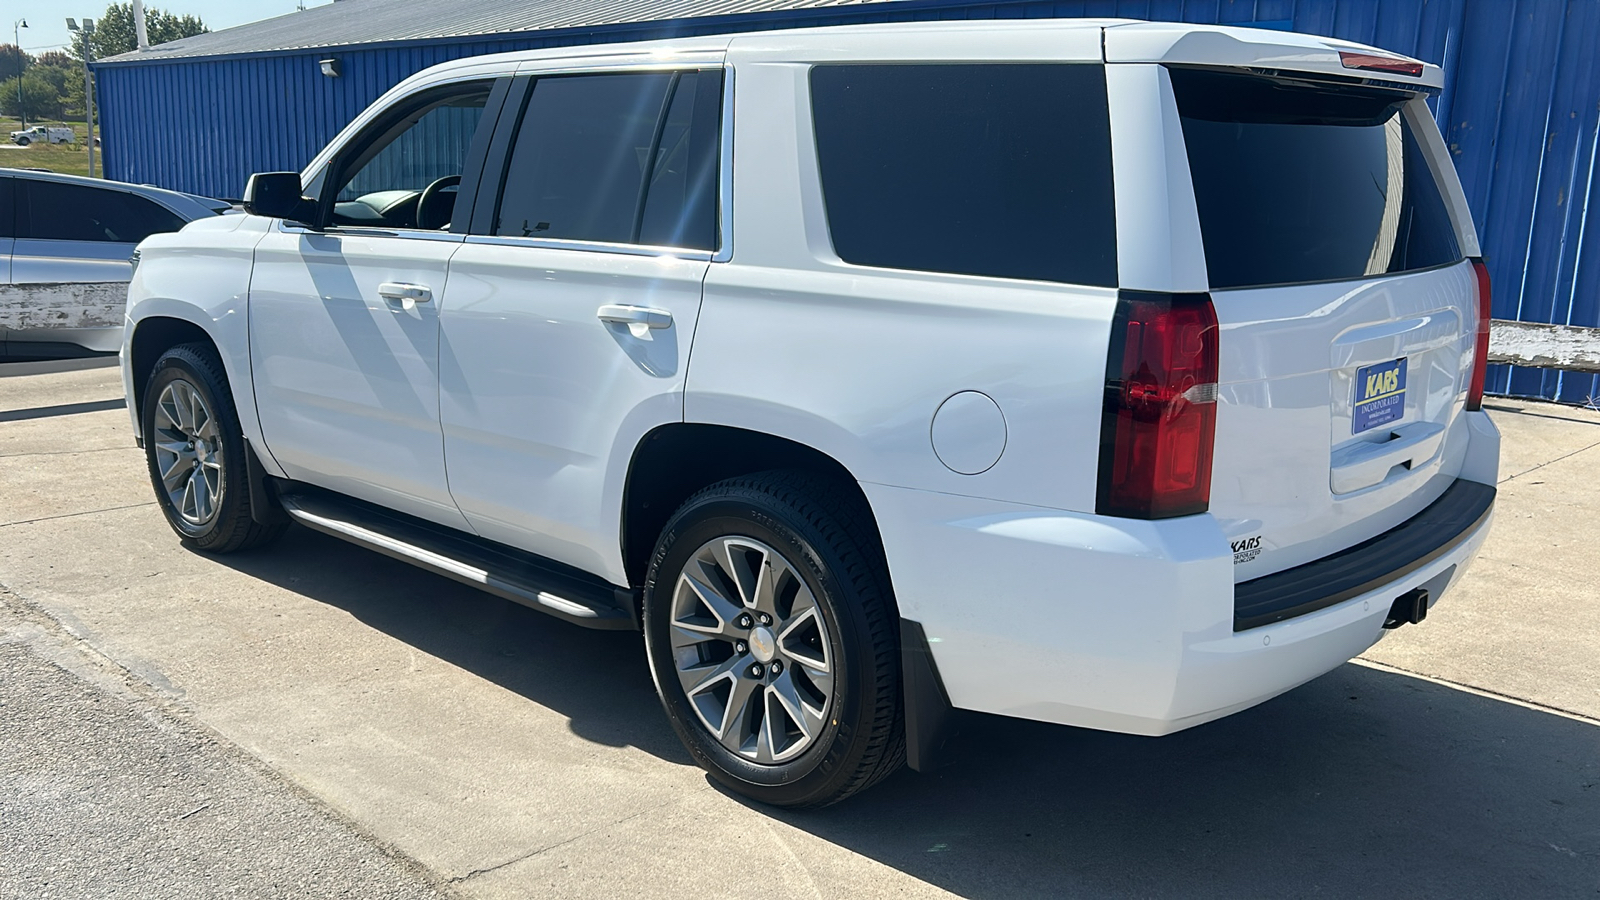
x=1114, y=374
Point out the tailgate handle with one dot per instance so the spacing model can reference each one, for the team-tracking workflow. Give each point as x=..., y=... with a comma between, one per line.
x=1364, y=464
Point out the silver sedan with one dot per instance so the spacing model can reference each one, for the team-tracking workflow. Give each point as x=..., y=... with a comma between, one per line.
x=65, y=244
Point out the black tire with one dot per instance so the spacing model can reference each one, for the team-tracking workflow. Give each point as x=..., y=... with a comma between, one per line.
x=231, y=527
x=23, y=142
x=824, y=534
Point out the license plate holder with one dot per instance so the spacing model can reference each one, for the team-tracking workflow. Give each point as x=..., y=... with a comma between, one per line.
x=1380, y=395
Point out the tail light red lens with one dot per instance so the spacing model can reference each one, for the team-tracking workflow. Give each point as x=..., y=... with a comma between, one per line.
x=1480, y=352
x=1160, y=408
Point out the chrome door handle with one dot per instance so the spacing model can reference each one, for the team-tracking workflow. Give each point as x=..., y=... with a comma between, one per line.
x=634, y=315
x=406, y=295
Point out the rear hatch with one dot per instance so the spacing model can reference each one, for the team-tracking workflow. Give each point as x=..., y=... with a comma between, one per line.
x=1346, y=306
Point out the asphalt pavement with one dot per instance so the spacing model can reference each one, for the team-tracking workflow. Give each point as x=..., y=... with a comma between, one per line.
x=318, y=720
x=107, y=791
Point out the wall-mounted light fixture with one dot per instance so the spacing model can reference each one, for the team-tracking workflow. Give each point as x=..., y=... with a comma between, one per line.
x=330, y=67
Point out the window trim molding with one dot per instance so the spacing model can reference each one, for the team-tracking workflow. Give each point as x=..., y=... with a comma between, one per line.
x=620, y=249
x=417, y=234
x=724, y=251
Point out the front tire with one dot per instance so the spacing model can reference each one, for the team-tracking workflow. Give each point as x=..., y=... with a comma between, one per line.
x=23, y=142
x=195, y=452
x=773, y=640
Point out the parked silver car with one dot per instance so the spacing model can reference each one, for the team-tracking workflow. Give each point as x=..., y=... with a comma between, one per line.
x=65, y=244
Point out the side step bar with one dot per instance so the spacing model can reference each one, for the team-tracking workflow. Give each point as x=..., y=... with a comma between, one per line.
x=516, y=575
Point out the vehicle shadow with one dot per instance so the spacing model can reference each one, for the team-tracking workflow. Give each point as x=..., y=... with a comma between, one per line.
x=1365, y=782
x=598, y=679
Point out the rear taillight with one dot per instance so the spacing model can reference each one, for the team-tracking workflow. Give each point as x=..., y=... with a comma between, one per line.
x=1480, y=352
x=1160, y=408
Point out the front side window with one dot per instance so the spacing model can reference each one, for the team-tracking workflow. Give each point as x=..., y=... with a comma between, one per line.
x=1297, y=181
x=405, y=172
x=999, y=170
x=624, y=158
x=53, y=211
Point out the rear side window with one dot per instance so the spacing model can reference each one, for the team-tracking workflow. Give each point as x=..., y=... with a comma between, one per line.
x=617, y=158
x=7, y=207
x=1001, y=170
x=1298, y=182
x=49, y=210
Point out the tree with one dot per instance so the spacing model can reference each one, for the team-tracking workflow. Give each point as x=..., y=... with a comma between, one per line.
x=55, y=59
x=13, y=60
x=114, y=32
x=52, y=85
x=72, y=98
x=40, y=97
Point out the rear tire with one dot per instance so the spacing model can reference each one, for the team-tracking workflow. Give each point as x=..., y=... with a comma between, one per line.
x=773, y=639
x=195, y=453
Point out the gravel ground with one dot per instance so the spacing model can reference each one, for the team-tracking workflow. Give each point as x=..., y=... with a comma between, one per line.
x=105, y=792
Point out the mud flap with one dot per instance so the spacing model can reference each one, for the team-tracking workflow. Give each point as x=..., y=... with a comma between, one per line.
x=931, y=721
x=264, y=505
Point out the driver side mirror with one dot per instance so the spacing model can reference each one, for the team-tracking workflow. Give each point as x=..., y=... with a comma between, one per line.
x=277, y=195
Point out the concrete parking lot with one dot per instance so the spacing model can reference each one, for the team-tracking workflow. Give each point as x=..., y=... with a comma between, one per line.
x=317, y=720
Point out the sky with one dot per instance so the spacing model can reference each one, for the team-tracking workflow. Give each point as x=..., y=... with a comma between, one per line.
x=47, y=24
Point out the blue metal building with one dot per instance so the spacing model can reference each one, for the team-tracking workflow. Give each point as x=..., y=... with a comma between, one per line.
x=1520, y=108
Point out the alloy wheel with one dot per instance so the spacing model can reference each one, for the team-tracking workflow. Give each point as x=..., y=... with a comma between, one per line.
x=752, y=650
x=188, y=453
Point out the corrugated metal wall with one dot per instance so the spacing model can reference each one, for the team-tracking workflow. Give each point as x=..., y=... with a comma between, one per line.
x=1520, y=110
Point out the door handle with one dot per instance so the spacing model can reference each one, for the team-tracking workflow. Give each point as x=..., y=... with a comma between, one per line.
x=634, y=315
x=404, y=295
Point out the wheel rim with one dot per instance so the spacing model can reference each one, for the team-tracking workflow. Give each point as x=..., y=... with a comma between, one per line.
x=752, y=650
x=188, y=453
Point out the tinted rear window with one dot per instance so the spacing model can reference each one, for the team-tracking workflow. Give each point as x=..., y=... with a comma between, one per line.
x=629, y=158
x=1298, y=182
x=1000, y=170
x=50, y=210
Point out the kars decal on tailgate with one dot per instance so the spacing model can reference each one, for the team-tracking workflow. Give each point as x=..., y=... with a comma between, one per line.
x=1246, y=549
x=1380, y=395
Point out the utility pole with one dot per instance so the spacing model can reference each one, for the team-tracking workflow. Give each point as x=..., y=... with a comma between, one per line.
x=86, y=33
x=16, y=41
x=88, y=86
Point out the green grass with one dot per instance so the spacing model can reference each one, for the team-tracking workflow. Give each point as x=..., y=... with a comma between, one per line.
x=67, y=159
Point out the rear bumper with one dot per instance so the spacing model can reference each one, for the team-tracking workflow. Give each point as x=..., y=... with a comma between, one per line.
x=1114, y=624
x=1368, y=566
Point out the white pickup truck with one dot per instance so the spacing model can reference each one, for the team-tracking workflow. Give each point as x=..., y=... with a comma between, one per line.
x=39, y=134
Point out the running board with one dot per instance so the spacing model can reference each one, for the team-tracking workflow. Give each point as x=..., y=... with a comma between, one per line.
x=516, y=575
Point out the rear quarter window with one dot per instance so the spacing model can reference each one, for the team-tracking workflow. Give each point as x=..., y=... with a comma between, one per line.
x=999, y=170
x=1298, y=182
x=49, y=210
